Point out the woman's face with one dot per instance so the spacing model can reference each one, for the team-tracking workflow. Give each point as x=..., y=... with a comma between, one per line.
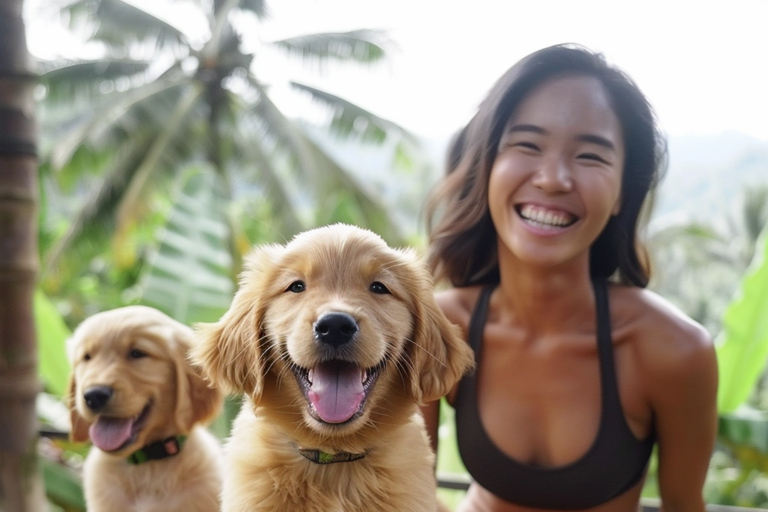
x=556, y=179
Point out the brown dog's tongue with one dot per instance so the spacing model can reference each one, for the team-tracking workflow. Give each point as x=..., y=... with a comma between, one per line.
x=336, y=392
x=109, y=434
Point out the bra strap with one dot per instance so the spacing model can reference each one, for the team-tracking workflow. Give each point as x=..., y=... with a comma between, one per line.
x=608, y=379
x=477, y=322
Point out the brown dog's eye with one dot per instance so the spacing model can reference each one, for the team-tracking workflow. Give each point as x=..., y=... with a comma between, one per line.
x=136, y=354
x=87, y=357
x=297, y=287
x=377, y=287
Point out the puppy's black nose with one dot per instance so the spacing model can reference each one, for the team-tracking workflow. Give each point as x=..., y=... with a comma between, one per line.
x=96, y=397
x=335, y=329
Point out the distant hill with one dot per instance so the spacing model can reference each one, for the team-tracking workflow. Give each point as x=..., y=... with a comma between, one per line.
x=707, y=174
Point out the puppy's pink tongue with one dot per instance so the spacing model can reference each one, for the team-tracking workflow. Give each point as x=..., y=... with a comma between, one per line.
x=109, y=434
x=336, y=392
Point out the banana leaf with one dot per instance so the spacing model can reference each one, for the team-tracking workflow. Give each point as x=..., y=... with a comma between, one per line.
x=189, y=275
x=742, y=347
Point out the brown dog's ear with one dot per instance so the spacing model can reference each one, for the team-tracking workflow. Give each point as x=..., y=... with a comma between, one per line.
x=78, y=432
x=229, y=351
x=439, y=356
x=206, y=400
x=196, y=401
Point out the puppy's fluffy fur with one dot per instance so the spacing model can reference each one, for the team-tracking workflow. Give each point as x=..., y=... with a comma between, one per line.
x=132, y=385
x=334, y=339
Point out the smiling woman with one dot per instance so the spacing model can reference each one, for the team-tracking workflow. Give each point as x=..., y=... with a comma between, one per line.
x=581, y=371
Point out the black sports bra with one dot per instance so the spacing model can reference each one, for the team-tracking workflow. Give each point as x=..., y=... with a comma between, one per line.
x=616, y=461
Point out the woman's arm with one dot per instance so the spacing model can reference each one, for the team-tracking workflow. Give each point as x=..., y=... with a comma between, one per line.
x=683, y=391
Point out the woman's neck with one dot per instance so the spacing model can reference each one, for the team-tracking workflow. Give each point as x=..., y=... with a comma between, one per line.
x=549, y=299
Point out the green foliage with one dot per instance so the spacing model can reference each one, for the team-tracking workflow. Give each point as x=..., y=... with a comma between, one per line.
x=189, y=275
x=120, y=129
x=742, y=348
x=63, y=485
x=52, y=334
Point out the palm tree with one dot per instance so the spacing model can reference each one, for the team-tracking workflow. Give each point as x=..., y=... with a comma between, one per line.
x=20, y=482
x=142, y=121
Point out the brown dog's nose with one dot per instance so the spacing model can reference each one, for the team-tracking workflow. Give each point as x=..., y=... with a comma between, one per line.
x=96, y=397
x=335, y=329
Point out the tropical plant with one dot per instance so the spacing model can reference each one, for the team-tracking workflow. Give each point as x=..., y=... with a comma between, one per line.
x=698, y=264
x=124, y=128
x=21, y=488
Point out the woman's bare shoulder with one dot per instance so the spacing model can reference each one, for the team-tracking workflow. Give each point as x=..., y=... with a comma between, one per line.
x=665, y=340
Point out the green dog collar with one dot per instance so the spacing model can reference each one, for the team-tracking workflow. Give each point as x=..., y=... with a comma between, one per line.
x=158, y=450
x=321, y=457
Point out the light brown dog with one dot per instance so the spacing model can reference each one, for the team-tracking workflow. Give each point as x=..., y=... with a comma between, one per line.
x=334, y=339
x=134, y=394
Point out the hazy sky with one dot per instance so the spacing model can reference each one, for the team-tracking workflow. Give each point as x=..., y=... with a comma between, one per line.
x=703, y=64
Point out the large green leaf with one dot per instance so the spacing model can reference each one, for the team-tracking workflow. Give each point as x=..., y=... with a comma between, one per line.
x=189, y=276
x=63, y=485
x=742, y=347
x=52, y=334
x=745, y=427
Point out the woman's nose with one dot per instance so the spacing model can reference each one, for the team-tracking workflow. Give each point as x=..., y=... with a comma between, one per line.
x=553, y=176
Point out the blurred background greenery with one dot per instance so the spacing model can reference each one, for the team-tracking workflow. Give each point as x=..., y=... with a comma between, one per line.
x=164, y=161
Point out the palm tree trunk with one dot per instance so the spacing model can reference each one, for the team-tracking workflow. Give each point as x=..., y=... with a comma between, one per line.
x=21, y=487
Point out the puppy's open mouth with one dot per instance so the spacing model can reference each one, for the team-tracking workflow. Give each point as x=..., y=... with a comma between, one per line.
x=336, y=390
x=111, y=434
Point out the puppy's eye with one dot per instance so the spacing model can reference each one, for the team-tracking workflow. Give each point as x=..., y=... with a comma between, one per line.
x=377, y=287
x=87, y=357
x=297, y=287
x=136, y=354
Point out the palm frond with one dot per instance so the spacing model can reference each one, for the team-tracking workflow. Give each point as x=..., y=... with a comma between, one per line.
x=106, y=114
x=351, y=120
x=321, y=175
x=363, y=46
x=129, y=206
x=120, y=24
x=258, y=7
x=95, y=220
x=65, y=80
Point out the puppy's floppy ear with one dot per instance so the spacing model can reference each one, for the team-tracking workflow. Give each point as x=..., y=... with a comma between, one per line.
x=196, y=401
x=78, y=426
x=229, y=351
x=439, y=356
x=78, y=432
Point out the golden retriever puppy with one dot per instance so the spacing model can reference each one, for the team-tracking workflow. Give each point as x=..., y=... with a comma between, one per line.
x=334, y=339
x=134, y=394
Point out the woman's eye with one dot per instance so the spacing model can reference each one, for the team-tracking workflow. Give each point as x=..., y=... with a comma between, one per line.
x=136, y=354
x=379, y=288
x=527, y=145
x=593, y=156
x=297, y=287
